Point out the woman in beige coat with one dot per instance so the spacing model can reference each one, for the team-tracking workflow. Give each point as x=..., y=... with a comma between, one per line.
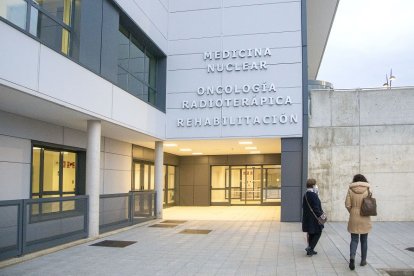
x=359, y=226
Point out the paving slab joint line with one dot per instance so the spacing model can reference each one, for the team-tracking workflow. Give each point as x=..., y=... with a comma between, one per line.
x=28, y=257
x=346, y=259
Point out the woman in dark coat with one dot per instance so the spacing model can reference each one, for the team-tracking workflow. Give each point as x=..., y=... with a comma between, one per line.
x=309, y=222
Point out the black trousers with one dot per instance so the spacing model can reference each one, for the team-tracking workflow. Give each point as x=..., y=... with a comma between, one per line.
x=313, y=239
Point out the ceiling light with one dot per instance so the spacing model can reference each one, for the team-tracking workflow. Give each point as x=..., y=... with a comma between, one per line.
x=170, y=145
x=245, y=142
x=251, y=148
x=255, y=151
x=185, y=149
x=197, y=153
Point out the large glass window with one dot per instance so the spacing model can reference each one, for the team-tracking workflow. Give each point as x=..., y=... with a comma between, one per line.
x=53, y=172
x=136, y=67
x=49, y=20
x=169, y=190
x=219, y=184
x=144, y=173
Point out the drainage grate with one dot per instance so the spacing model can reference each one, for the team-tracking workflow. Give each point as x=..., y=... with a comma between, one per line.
x=160, y=225
x=195, y=231
x=410, y=249
x=111, y=243
x=174, y=221
x=400, y=272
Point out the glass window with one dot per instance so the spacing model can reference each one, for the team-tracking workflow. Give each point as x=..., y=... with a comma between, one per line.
x=50, y=32
x=53, y=172
x=171, y=177
x=218, y=176
x=59, y=9
x=69, y=172
x=137, y=177
x=136, y=67
x=152, y=179
x=219, y=184
x=14, y=11
x=36, y=171
x=50, y=20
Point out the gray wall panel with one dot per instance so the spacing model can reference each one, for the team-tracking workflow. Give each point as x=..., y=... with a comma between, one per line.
x=291, y=204
x=291, y=179
x=110, y=38
x=90, y=35
x=186, y=196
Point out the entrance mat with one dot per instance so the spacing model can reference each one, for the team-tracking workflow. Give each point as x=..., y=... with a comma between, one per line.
x=195, y=231
x=174, y=221
x=410, y=249
x=111, y=243
x=164, y=225
x=399, y=272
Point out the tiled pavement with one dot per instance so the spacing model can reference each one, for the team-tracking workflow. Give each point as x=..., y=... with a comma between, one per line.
x=243, y=241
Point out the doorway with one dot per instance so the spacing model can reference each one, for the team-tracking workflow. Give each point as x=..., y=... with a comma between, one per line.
x=245, y=185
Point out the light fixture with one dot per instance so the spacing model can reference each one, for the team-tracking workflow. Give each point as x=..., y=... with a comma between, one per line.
x=170, y=145
x=388, y=81
x=245, y=142
x=186, y=149
x=197, y=153
x=255, y=151
x=251, y=148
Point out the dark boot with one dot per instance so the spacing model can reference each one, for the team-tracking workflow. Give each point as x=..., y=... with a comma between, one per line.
x=351, y=264
x=363, y=262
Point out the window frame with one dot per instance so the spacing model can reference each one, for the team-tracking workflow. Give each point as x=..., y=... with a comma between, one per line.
x=60, y=149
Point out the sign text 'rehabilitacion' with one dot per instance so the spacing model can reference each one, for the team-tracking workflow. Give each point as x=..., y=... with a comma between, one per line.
x=250, y=96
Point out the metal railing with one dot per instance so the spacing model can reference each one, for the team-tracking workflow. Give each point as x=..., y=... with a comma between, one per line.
x=29, y=225
x=121, y=210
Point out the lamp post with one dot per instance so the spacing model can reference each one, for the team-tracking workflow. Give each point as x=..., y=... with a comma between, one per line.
x=388, y=81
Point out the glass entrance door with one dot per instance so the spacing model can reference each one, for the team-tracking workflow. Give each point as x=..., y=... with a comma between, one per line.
x=245, y=185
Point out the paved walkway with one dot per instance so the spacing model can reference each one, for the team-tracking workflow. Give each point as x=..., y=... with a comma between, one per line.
x=243, y=241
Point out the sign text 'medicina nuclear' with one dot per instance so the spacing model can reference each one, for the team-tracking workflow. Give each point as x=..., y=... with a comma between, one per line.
x=246, y=96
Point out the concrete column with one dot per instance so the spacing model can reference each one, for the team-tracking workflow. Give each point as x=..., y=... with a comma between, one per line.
x=93, y=162
x=159, y=177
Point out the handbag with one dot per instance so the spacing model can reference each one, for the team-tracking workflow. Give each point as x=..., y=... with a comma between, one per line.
x=368, y=206
x=322, y=219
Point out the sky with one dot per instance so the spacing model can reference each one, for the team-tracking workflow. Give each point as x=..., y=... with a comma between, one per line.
x=368, y=39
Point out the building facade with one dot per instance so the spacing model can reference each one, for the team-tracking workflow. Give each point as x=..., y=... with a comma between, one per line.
x=204, y=102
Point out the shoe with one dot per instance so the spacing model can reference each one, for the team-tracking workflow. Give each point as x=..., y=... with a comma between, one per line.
x=351, y=264
x=363, y=263
x=310, y=252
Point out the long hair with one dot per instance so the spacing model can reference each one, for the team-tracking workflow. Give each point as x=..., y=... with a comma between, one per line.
x=359, y=178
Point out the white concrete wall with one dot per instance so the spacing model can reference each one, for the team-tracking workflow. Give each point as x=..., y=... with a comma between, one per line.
x=30, y=67
x=196, y=27
x=368, y=132
x=116, y=164
x=16, y=134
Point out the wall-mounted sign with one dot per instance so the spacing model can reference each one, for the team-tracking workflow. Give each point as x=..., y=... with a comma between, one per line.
x=243, y=104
